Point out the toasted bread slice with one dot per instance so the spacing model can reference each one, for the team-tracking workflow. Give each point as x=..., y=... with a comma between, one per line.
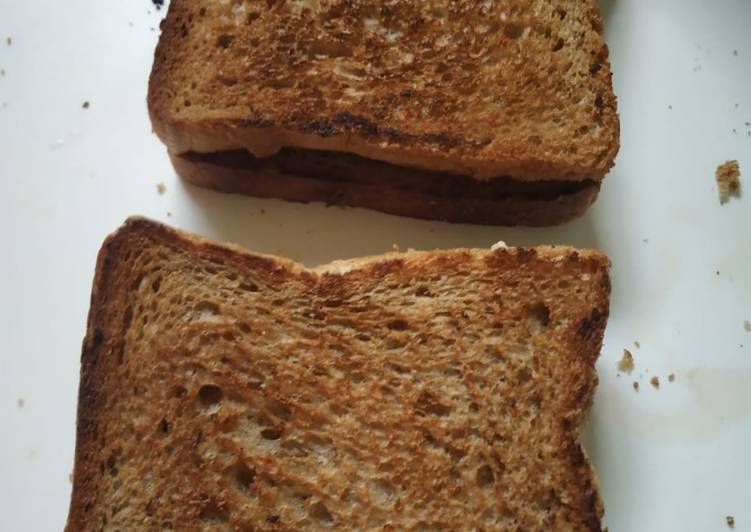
x=481, y=90
x=345, y=179
x=443, y=390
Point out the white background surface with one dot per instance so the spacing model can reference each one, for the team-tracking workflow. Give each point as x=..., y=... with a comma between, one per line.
x=677, y=458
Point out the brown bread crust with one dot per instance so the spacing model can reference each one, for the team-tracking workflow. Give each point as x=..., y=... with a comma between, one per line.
x=424, y=390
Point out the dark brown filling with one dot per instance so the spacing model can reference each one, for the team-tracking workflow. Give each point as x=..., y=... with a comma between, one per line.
x=349, y=168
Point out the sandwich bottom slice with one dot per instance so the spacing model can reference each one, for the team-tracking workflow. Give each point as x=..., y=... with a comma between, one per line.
x=347, y=179
x=442, y=390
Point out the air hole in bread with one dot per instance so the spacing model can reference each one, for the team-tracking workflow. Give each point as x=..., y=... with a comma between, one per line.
x=212, y=513
x=398, y=325
x=394, y=343
x=484, y=476
x=244, y=475
x=363, y=337
x=560, y=12
x=210, y=394
x=513, y=30
x=156, y=284
x=278, y=409
x=244, y=327
x=538, y=316
x=558, y=45
x=272, y=433
x=428, y=404
x=178, y=391
x=164, y=427
x=225, y=40
x=423, y=291
x=535, y=140
x=128, y=316
x=523, y=376
x=399, y=369
x=112, y=465
x=206, y=310
x=319, y=511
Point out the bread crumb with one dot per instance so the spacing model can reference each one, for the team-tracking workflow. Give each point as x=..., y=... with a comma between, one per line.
x=731, y=521
x=395, y=248
x=161, y=188
x=9, y=40
x=747, y=325
x=636, y=386
x=671, y=377
x=655, y=381
x=728, y=180
x=85, y=104
x=169, y=214
x=20, y=402
x=626, y=363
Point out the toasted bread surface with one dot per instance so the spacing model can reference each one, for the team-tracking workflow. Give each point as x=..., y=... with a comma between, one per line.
x=223, y=390
x=487, y=89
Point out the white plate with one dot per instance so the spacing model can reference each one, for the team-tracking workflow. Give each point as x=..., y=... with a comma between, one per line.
x=677, y=458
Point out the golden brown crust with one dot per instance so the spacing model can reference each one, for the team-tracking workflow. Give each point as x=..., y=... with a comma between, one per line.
x=430, y=197
x=187, y=337
x=495, y=88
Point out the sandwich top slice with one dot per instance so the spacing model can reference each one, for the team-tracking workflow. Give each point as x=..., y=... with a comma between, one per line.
x=443, y=390
x=477, y=90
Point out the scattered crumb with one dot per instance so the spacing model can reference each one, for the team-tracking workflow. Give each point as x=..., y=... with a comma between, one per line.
x=636, y=386
x=20, y=402
x=735, y=52
x=731, y=521
x=159, y=3
x=670, y=107
x=637, y=344
x=169, y=214
x=655, y=381
x=728, y=180
x=626, y=363
x=394, y=247
x=9, y=40
x=85, y=104
x=747, y=325
x=671, y=377
x=161, y=188
x=2, y=72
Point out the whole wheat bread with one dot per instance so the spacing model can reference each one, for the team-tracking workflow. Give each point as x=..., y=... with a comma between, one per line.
x=444, y=390
x=481, y=90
